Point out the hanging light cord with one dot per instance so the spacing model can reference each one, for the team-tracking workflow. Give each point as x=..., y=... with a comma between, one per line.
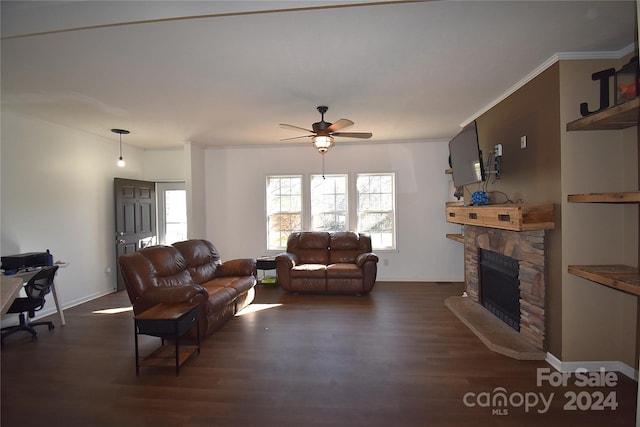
x=323, y=166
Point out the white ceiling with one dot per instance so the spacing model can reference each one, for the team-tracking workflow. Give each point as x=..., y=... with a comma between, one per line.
x=224, y=73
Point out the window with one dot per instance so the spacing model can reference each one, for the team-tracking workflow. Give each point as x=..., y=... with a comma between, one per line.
x=329, y=203
x=284, y=209
x=376, y=208
x=172, y=212
x=311, y=202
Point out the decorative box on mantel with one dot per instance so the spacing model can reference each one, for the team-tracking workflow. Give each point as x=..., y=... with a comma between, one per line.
x=514, y=217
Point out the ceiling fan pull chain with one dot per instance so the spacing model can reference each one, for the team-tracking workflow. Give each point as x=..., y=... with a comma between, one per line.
x=323, y=166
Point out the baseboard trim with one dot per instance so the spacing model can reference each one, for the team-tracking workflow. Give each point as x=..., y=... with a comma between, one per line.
x=50, y=307
x=592, y=366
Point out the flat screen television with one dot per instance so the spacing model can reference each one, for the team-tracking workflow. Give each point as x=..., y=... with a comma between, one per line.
x=465, y=157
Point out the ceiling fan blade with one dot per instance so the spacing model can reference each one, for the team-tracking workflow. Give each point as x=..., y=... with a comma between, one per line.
x=285, y=126
x=364, y=135
x=297, y=137
x=340, y=124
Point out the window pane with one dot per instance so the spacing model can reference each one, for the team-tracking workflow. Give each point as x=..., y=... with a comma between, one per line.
x=175, y=216
x=328, y=203
x=376, y=208
x=284, y=209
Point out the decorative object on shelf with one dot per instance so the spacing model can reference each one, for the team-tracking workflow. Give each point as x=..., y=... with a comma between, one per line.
x=479, y=198
x=459, y=192
x=120, y=132
x=603, y=76
x=626, y=81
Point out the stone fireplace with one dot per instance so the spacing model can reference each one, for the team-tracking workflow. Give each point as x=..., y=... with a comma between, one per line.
x=527, y=248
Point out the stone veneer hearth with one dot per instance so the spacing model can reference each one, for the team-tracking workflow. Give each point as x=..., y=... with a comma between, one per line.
x=528, y=247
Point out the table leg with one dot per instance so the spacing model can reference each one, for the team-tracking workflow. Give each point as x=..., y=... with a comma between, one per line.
x=177, y=350
x=135, y=333
x=55, y=299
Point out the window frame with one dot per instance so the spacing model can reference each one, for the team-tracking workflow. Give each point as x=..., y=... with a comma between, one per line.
x=347, y=210
x=269, y=213
x=161, y=206
x=393, y=211
x=352, y=198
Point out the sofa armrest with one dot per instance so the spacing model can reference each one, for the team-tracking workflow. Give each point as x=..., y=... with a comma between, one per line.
x=175, y=295
x=237, y=267
x=286, y=260
x=362, y=258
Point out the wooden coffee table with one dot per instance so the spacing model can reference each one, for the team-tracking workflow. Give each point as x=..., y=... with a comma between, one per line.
x=167, y=321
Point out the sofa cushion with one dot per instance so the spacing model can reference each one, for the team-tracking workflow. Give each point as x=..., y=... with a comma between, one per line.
x=310, y=247
x=345, y=246
x=343, y=271
x=238, y=284
x=309, y=278
x=202, y=258
x=309, y=270
x=219, y=297
x=169, y=267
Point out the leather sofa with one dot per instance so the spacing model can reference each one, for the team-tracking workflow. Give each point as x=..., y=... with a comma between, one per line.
x=191, y=272
x=332, y=262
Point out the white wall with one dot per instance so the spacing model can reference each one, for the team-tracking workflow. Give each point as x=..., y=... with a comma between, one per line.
x=235, y=195
x=57, y=194
x=195, y=186
x=164, y=165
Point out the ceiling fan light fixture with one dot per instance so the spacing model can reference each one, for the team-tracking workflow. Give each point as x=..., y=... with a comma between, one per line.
x=323, y=143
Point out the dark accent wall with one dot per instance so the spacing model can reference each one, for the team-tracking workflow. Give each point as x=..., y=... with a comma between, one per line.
x=532, y=174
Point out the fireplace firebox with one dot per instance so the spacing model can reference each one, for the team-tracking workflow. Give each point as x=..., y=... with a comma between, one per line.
x=500, y=286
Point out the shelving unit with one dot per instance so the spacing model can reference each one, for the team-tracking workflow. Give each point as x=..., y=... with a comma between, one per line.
x=621, y=277
x=625, y=197
x=615, y=118
x=616, y=276
x=514, y=217
x=457, y=237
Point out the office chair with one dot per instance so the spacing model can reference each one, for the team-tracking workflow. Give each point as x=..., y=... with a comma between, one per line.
x=36, y=288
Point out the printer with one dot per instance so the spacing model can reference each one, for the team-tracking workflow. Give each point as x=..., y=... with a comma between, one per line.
x=14, y=263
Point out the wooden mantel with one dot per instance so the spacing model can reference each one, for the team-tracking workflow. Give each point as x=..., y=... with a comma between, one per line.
x=514, y=217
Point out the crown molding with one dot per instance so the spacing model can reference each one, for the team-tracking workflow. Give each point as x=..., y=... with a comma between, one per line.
x=561, y=56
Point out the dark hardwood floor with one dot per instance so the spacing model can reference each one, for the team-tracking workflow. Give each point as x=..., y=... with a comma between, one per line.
x=397, y=357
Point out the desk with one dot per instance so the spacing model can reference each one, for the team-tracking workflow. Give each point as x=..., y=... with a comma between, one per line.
x=22, y=278
x=9, y=288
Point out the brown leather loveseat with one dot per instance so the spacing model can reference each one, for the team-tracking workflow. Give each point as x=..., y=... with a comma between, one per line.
x=335, y=262
x=191, y=272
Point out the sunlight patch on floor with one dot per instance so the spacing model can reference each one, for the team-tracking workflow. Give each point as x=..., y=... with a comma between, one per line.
x=252, y=308
x=114, y=310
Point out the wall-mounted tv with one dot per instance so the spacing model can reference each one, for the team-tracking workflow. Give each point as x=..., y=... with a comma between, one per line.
x=465, y=156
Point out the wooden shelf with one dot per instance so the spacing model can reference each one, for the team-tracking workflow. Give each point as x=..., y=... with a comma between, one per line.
x=457, y=237
x=165, y=356
x=506, y=217
x=616, y=276
x=624, y=197
x=617, y=117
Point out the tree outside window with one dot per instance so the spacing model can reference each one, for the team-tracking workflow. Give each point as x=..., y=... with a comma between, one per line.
x=329, y=203
x=284, y=209
x=376, y=208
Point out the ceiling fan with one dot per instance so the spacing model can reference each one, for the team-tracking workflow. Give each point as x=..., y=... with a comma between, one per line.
x=323, y=132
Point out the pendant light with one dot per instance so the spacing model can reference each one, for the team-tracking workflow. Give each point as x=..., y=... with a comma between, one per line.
x=120, y=132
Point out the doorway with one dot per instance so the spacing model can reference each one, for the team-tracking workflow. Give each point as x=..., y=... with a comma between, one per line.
x=135, y=205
